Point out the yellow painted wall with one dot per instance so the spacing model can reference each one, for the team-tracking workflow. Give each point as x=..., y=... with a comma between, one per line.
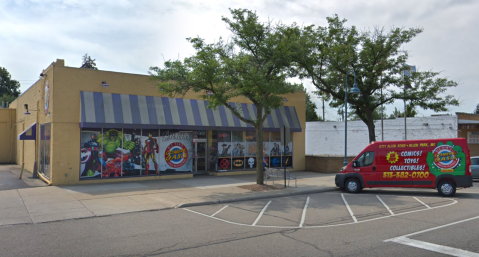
x=7, y=135
x=66, y=83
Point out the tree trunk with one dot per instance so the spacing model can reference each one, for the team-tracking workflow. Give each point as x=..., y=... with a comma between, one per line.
x=259, y=156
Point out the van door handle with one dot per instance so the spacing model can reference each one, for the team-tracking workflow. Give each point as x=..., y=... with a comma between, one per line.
x=374, y=168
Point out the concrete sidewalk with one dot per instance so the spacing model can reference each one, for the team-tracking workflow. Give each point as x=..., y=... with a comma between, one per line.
x=40, y=203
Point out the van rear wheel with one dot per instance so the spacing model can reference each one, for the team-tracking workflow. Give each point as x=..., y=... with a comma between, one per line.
x=446, y=188
x=352, y=185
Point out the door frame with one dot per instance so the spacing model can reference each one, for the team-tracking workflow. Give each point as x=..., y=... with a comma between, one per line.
x=196, y=141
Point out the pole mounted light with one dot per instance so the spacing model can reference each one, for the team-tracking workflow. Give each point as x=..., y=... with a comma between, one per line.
x=354, y=90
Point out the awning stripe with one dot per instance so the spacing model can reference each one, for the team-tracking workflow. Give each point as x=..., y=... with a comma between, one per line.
x=151, y=107
x=108, y=108
x=224, y=120
x=196, y=113
x=182, y=112
x=29, y=134
x=189, y=112
x=167, y=111
x=98, y=104
x=143, y=108
x=117, y=108
x=134, y=111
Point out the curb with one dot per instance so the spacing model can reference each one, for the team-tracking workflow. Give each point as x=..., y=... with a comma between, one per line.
x=242, y=199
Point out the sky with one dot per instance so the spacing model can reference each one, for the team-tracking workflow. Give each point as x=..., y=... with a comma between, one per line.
x=132, y=35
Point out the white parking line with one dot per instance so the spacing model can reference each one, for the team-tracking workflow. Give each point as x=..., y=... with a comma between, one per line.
x=422, y=203
x=261, y=214
x=434, y=247
x=387, y=207
x=405, y=240
x=349, y=209
x=304, y=213
x=219, y=211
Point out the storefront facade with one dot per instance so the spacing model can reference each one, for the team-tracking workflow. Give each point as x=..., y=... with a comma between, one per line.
x=96, y=126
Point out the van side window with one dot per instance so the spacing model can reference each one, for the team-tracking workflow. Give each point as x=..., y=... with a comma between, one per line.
x=366, y=159
x=475, y=161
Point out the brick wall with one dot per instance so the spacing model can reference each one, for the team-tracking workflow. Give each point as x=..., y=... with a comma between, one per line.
x=325, y=164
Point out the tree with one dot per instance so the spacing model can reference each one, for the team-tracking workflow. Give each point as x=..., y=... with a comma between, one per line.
x=6, y=99
x=327, y=54
x=8, y=86
x=311, y=114
x=88, y=63
x=253, y=64
x=410, y=112
x=476, y=111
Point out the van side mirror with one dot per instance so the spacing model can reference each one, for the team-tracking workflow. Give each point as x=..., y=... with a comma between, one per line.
x=355, y=164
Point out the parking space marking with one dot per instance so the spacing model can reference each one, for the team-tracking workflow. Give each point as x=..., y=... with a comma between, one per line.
x=304, y=213
x=261, y=214
x=219, y=211
x=387, y=207
x=429, y=207
x=405, y=240
x=434, y=247
x=320, y=226
x=349, y=209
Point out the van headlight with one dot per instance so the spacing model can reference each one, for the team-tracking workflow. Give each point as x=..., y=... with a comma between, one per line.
x=343, y=168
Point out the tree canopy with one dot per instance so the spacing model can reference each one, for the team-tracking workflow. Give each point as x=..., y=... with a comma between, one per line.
x=326, y=54
x=9, y=88
x=88, y=63
x=254, y=63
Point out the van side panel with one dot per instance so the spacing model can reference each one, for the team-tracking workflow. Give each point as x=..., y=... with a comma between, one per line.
x=418, y=163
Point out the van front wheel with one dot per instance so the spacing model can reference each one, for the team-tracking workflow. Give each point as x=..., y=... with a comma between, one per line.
x=446, y=188
x=352, y=186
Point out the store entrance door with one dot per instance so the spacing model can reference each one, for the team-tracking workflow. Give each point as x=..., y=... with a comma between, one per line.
x=199, y=159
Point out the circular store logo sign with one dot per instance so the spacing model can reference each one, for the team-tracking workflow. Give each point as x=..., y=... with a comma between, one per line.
x=445, y=157
x=176, y=155
x=47, y=96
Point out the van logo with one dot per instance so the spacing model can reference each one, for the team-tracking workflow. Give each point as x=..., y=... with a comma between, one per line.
x=445, y=157
x=392, y=157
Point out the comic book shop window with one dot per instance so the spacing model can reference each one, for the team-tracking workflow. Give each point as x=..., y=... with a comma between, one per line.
x=252, y=147
x=224, y=151
x=238, y=151
x=133, y=162
x=280, y=156
x=44, y=167
x=176, y=151
x=91, y=154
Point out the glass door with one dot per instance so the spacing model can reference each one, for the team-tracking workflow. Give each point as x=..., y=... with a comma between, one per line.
x=199, y=159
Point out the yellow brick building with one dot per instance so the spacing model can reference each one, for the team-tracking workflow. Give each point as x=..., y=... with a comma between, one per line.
x=79, y=126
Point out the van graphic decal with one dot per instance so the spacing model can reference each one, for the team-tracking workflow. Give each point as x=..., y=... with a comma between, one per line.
x=392, y=157
x=447, y=158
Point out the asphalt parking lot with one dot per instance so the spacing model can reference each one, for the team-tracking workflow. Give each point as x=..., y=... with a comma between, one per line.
x=321, y=210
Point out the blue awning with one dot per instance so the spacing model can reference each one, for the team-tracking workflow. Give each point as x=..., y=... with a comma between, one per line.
x=134, y=111
x=29, y=134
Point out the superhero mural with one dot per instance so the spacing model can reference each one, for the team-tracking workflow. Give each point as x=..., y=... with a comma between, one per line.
x=176, y=151
x=133, y=160
x=150, y=151
x=90, y=154
x=107, y=149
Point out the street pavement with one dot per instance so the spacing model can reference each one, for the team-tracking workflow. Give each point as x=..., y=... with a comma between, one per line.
x=32, y=201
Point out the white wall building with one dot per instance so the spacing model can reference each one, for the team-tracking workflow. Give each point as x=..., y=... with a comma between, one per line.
x=327, y=138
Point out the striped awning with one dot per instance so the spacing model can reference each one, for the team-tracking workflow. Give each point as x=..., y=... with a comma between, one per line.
x=134, y=111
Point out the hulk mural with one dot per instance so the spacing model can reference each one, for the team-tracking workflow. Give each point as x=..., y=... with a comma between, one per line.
x=105, y=150
x=447, y=159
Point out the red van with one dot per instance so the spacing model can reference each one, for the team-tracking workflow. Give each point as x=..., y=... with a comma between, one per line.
x=430, y=163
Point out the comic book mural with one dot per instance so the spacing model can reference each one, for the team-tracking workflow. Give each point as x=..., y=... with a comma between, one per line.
x=90, y=154
x=150, y=152
x=133, y=160
x=176, y=151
